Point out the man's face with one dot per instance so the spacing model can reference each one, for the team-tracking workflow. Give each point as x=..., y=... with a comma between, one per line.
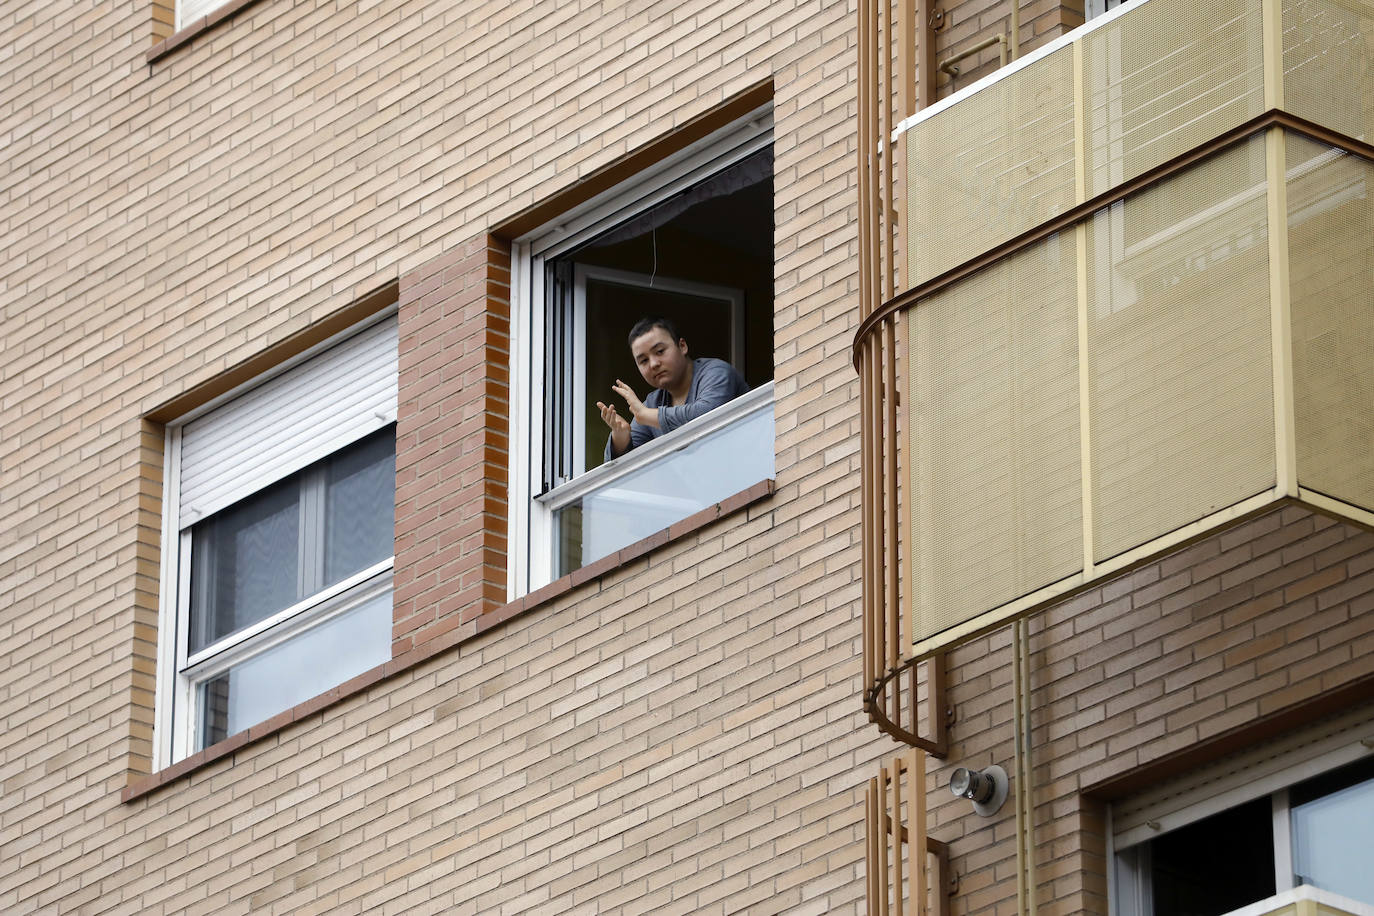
x=661, y=360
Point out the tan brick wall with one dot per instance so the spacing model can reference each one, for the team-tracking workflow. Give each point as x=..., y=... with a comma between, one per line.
x=1194, y=651
x=637, y=748
x=684, y=736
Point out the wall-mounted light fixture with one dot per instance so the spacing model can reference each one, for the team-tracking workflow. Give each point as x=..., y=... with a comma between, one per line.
x=986, y=788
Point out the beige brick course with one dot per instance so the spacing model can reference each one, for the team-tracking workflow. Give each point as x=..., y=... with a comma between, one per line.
x=1195, y=650
x=185, y=216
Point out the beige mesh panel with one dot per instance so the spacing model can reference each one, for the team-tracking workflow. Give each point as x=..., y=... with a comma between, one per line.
x=1166, y=77
x=1328, y=50
x=1331, y=268
x=991, y=167
x=1179, y=346
x=995, y=443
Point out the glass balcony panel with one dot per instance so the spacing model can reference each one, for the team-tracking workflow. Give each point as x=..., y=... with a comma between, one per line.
x=996, y=164
x=1331, y=271
x=1328, y=73
x=997, y=508
x=1181, y=361
x=1165, y=77
x=676, y=484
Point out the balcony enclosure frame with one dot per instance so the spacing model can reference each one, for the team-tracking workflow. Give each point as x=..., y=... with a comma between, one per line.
x=1144, y=208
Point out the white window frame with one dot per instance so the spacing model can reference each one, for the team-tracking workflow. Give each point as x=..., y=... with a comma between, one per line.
x=1265, y=771
x=531, y=558
x=180, y=673
x=188, y=11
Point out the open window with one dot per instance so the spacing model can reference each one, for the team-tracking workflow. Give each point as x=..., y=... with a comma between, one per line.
x=1239, y=840
x=279, y=521
x=692, y=242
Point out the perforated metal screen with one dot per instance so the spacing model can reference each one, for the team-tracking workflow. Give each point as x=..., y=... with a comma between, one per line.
x=996, y=164
x=1331, y=258
x=1180, y=356
x=1327, y=50
x=995, y=439
x=1165, y=77
x=1177, y=297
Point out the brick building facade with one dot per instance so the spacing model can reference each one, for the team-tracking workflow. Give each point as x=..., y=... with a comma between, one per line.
x=196, y=211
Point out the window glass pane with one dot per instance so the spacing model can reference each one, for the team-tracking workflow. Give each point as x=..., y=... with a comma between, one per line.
x=245, y=563
x=360, y=506
x=296, y=670
x=1334, y=833
x=617, y=302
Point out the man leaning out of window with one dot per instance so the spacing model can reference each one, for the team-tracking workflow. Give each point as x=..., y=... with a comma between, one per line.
x=684, y=388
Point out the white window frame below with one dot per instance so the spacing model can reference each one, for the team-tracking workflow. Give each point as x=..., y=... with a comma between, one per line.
x=189, y=11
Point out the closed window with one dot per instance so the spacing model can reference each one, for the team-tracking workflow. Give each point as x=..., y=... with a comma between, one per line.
x=283, y=516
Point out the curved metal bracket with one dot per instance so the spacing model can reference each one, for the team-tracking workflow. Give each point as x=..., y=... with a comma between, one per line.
x=877, y=701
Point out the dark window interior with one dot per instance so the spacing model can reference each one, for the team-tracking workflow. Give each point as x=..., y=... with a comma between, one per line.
x=1331, y=782
x=715, y=235
x=1216, y=865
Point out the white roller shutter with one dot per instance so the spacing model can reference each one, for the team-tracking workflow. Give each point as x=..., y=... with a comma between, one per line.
x=288, y=422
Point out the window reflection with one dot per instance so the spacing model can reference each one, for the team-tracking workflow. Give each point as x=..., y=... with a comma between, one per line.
x=1333, y=832
x=293, y=671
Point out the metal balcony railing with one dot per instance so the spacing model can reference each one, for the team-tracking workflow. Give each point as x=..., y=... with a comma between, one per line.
x=1124, y=299
x=907, y=871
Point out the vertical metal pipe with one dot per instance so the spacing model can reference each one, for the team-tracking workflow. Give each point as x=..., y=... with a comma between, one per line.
x=873, y=457
x=865, y=145
x=906, y=52
x=884, y=827
x=1025, y=808
x=1014, y=40
x=870, y=838
x=906, y=102
x=938, y=725
x=870, y=661
x=1026, y=783
x=914, y=698
x=873, y=87
x=885, y=126
x=916, y=828
x=898, y=888
x=1020, y=787
x=890, y=489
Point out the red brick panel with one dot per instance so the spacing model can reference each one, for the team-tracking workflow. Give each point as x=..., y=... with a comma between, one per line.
x=451, y=442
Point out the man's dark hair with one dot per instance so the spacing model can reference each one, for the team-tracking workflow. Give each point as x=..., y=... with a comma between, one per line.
x=645, y=325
